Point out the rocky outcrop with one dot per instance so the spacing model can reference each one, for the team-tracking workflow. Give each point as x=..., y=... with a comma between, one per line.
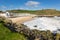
x=31, y=34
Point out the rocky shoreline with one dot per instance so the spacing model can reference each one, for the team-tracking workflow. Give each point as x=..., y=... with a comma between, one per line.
x=30, y=34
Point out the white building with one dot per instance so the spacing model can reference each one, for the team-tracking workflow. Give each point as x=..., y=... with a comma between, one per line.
x=5, y=14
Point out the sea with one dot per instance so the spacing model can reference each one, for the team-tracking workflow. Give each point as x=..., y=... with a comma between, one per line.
x=44, y=24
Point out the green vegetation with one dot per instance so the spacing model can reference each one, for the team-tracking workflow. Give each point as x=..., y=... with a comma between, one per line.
x=48, y=12
x=13, y=31
x=21, y=11
x=38, y=12
x=0, y=11
x=6, y=34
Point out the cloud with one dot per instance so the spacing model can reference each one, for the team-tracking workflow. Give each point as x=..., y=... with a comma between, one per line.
x=21, y=8
x=32, y=3
x=3, y=6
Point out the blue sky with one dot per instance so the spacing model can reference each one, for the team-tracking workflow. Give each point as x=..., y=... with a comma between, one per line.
x=29, y=4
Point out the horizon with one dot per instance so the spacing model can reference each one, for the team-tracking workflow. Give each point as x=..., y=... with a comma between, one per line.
x=29, y=10
x=29, y=4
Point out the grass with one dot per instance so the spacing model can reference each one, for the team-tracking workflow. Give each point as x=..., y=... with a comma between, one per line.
x=38, y=12
x=6, y=34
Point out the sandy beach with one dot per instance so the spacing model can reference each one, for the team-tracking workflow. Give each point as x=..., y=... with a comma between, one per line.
x=21, y=19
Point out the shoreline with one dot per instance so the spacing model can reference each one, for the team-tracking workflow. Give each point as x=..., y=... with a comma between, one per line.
x=21, y=19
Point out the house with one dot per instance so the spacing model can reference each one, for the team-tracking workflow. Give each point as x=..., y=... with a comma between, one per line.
x=5, y=14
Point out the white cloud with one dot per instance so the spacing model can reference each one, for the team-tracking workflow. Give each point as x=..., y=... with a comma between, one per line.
x=3, y=6
x=32, y=3
x=21, y=8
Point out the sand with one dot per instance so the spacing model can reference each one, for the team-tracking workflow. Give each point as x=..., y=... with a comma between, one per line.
x=21, y=19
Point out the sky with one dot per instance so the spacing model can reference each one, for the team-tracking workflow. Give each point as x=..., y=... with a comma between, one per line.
x=29, y=4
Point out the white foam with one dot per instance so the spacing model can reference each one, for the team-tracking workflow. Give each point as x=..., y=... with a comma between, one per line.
x=44, y=23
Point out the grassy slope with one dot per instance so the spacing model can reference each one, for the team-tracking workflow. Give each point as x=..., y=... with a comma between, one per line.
x=6, y=34
x=38, y=12
x=21, y=11
x=48, y=12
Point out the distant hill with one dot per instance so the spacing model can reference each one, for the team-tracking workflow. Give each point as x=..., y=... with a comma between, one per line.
x=21, y=11
x=38, y=12
x=48, y=12
x=0, y=11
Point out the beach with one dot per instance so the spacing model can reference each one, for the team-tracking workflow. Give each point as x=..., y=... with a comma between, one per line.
x=21, y=19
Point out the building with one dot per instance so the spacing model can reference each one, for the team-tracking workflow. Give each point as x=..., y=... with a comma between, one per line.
x=5, y=14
